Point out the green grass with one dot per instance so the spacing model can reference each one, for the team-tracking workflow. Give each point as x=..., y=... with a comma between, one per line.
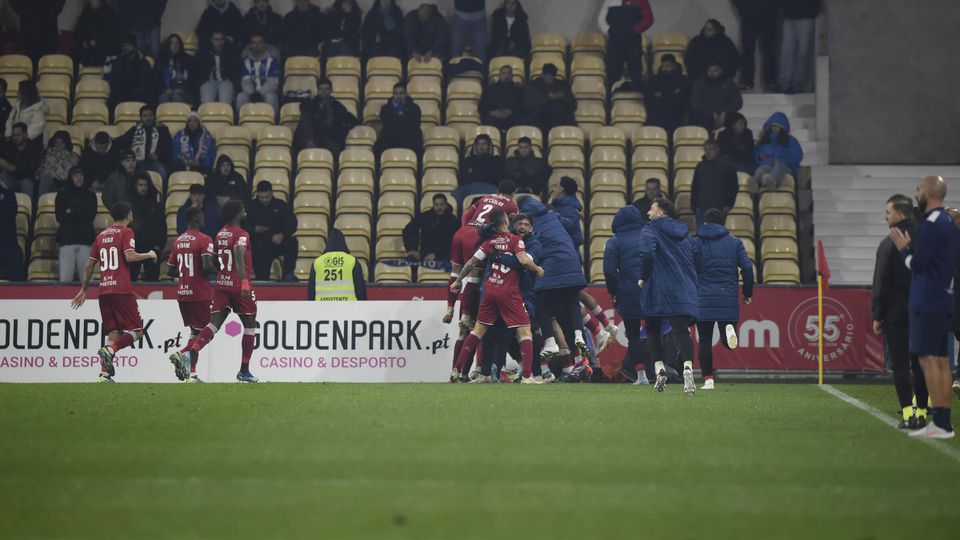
x=443, y=461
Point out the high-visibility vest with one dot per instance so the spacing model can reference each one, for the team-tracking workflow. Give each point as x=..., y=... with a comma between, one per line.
x=334, y=281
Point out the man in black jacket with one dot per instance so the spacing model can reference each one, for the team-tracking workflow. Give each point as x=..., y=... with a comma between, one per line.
x=272, y=225
x=19, y=159
x=549, y=101
x=713, y=99
x=324, y=121
x=666, y=96
x=891, y=294
x=529, y=172
x=38, y=25
x=428, y=237
x=11, y=256
x=150, y=142
x=652, y=191
x=130, y=76
x=714, y=183
x=263, y=21
x=76, y=208
x=217, y=70
x=303, y=29
x=481, y=170
x=502, y=103
x=222, y=15
x=758, y=20
x=400, y=118
x=99, y=160
x=425, y=33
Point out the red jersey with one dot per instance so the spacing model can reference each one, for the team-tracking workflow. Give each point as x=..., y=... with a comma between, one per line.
x=479, y=213
x=502, y=279
x=109, y=250
x=229, y=236
x=465, y=243
x=187, y=258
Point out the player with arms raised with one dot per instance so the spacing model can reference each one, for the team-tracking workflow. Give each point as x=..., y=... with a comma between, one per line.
x=502, y=298
x=192, y=261
x=233, y=290
x=114, y=249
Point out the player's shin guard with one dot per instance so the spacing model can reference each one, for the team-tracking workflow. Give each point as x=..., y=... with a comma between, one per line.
x=466, y=352
x=526, y=355
x=566, y=361
x=593, y=325
x=203, y=338
x=125, y=340
x=600, y=315
x=246, y=349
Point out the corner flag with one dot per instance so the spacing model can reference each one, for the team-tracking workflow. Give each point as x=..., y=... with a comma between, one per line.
x=823, y=282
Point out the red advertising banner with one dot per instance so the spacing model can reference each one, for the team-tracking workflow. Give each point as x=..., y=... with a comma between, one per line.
x=778, y=330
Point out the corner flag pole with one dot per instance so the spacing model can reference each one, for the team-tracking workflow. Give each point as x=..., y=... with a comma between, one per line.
x=819, y=328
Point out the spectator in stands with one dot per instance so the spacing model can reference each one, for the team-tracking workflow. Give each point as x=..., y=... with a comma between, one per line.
x=510, y=33
x=529, y=172
x=549, y=101
x=120, y=184
x=261, y=76
x=217, y=70
x=711, y=45
x=624, y=22
x=272, y=226
x=428, y=237
x=713, y=98
x=76, y=208
x=481, y=169
x=261, y=20
x=99, y=160
x=400, y=118
x=56, y=163
x=142, y=17
x=383, y=30
x=796, y=50
x=38, y=26
x=714, y=183
x=667, y=95
x=150, y=142
x=777, y=153
x=343, y=29
x=324, y=121
x=211, y=211
x=502, y=103
x=97, y=35
x=469, y=23
x=130, y=78
x=5, y=109
x=149, y=226
x=19, y=158
x=303, y=30
x=651, y=191
x=221, y=15
x=336, y=256
x=564, y=201
x=758, y=19
x=30, y=109
x=621, y=269
x=226, y=181
x=736, y=142
x=172, y=72
x=193, y=147
x=11, y=256
x=425, y=33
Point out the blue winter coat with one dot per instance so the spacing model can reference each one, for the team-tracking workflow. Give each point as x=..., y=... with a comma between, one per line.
x=569, y=208
x=528, y=279
x=560, y=259
x=205, y=152
x=791, y=155
x=721, y=256
x=621, y=262
x=668, y=265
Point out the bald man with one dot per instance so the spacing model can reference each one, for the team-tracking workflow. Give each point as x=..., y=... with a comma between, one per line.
x=931, y=258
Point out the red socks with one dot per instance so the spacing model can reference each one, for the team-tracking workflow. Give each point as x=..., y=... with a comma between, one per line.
x=125, y=340
x=526, y=356
x=246, y=349
x=452, y=296
x=203, y=338
x=600, y=315
x=592, y=324
x=466, y=353
x=456, y=352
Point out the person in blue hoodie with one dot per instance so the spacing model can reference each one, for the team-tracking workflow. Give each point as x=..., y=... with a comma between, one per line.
x=557, y=293
x=668, y=283
x=621, y=269
x=777, y=154
x=722, y=260
x=564, y=201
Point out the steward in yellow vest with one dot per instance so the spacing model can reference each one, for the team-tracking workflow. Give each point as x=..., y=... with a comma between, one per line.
x=336, y=275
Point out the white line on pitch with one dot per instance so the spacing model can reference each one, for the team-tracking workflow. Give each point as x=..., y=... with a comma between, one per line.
x=888, y=420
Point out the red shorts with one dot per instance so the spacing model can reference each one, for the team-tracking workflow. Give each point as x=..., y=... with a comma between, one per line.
x=232, y=300
x=119, y=312
x=195, y=314
x=510, y=308
x=469, y=298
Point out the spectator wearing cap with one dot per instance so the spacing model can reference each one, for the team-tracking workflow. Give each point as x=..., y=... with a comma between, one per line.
x=425, y=33
x=502, y=102
x=221, y=15
x=119, y=184
x=272, y=225
x=99, y=160
x=714, y=98
x=56, y=163
x=549, y=101
x=667, y=95
x=529, y=172
x=76, y=208
x=428, y=237
x=149, y=225
x=150, y=142
x=711, y=45
x=225, y=181
x=193, y=147
x=400, y=118
x=324, y=121
x=130, y=77
x=211, y=211
x=481, y=170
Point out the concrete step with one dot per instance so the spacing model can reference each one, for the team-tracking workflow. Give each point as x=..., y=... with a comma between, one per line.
x=848, y=253
x=755, y=123
x=840, y=242
x=827, y=230
x=792, y=111
x=822, y=207
x=863, y=266
x=847, y=218
x=850, y=277
x=860, y=195
x=950, y=172
x=754, y=98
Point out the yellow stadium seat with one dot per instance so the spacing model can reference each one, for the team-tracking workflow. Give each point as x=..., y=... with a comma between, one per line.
x=379, y=87
x=650, y=157
x=312, y=224
x=772, y=203
x=743, y=205
x=741, y=226
x=589, y=42
x=343, y=66
x=273, y=157
x=314, y=180
x=357, y=158
x=44, y=247
x=46, y=224
x=689, y=136
x=391, y=224
x=91, y=112
x=362, y=137
x=181, y=181
x=127, y=112
x=608, y=180
x=439, y=180
x=442, y=136
x=43, y=270
x=300, y=84
x=278, y=178
x=515, y=133
x=590, y=87
x=23, y=227
x=683, y=180
x=441, y=158
x=462, y=113
x=650, y=136
x=779, y=248
x=687, y=157
x=175, y=200
x=398, y=158
x=781, y=271
x=384, y=65
x=312, y=202
x=423, y=89
x=390, y=247
x=279, y=136
x=16, y=64
x=606, y=203
x=302, y=66
x=789, y=185
x=54, y=87
x=255, y=115
x=55, y=64
x=385, y=273
x=371, y=110
x=396, y=202
x=215, y=115
x=355, y=180
x=309, y=248
x=233, y=136
x=549, y=42
x=173, y=115
x=674, y=42
x=778, y=226
x=517, y=64
x=429, y=114
x=13, y=81
x=540, y=59
x=398, y=179
x=315, y=158
x=597, y=245
x=290, y=115
x=91, y=88
x=47, y=203
x=682, y=201
x=464, y=89
x=155, y=178
x=354, y=224
x=587, y=65
x=24, y=204
x=566, y=136
x=433, y=68
x=750, y=248
x=628, y=114
x=90, y=72
x=56, y=111
x=590, y=113
x=608, y=136
x=569, y=157
x=432, y=275
x=596, y=272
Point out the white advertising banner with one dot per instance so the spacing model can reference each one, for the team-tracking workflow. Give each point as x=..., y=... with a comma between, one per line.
x=46, y=341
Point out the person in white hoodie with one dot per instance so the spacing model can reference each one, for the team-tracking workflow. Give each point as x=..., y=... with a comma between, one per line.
x=30, y=109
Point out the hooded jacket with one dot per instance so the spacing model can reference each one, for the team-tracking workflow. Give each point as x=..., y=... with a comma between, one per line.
x=790, y=154
x=704, y=50
x=98, y=167
x=512, y=40
x=431, y=36
x=228, y=19
x=721, y=256
x=570, y=208
x=621, y=262
x=668, y=262
x=714, y=185
x=201, y=147
x=560, y=259
x=232, y=185
x=337, y=242
x=149, y=220
x=76, y=209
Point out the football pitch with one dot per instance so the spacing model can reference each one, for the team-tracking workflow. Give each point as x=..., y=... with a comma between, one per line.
x=466, y=461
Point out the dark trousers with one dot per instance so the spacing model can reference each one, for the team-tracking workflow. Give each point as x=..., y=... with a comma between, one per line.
x=11, y=262
x=495, y=343
x=629, y=50
x=636, y=347
x=705, y=331
x=564, y=305
x=265, y=251
x=908, y=378
x=146, y=271
x=680, y=330
x=764, y=29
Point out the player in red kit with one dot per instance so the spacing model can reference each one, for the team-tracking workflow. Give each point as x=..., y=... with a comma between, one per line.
x=465, y=244
x=233, y=292
x=502, y=298
x=191, y=261
x=114, y=249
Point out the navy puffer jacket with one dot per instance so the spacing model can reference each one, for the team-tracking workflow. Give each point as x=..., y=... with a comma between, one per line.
x=569, y=207
x=722, y=255
x=559, y=259
x=668, y=265
x=621, y=262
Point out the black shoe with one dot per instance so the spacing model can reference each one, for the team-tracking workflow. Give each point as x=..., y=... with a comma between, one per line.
x=290, y=278
x=630, y=376
x=597, y=376
x=910, y=424
x=571, y=378
x=921, y=422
